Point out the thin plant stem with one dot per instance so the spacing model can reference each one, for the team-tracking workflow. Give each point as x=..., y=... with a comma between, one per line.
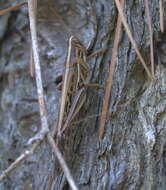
x=18, y=161
x=110, y=77
x=161, y=7
x=118, y=5
x=40, y=92
x=62, y=162
x=7, y=10
x=151, y=36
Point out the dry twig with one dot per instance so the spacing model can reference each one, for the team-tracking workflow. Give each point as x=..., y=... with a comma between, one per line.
x=132, y=39
x=31, y=64
x=62, y=162
x=151, y=36
x=44, y=129
x=161, y=7
x=18, y=161
x=121, y=18
x=7, y=10
x=110, y=77
x=43, y=115
x=31, y=151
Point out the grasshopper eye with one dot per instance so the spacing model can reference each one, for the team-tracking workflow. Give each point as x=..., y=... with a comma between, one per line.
x=58, y=82
x=58, y=79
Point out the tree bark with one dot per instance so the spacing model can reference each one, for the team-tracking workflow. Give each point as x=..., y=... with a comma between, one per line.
x=131, y=155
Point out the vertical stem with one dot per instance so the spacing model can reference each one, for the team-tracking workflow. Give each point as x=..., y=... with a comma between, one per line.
x=110, y=77
x=161, y=7
x=151, y=36
x=62, y=162
x=118, y=5
x=43, y=115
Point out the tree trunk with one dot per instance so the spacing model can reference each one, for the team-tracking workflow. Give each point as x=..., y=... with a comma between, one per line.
x=132, y=152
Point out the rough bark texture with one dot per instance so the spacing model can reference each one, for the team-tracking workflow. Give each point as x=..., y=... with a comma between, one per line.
x=132, y=153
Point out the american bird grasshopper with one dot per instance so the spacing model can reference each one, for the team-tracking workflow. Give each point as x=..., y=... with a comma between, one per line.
x=75, y=81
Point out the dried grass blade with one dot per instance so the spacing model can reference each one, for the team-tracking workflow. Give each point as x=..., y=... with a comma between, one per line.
x=7, y=10
x=31, y=64
x=151, y=36
x=110, y=77
x=62, y=162
x=132, y=39
x=161, y=7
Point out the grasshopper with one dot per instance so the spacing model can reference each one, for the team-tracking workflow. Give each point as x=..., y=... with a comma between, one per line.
x=75, y=81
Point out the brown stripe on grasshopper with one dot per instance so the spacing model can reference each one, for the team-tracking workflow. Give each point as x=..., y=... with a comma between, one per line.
x=77, y=104
x=71, y=78
x=75, y=82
